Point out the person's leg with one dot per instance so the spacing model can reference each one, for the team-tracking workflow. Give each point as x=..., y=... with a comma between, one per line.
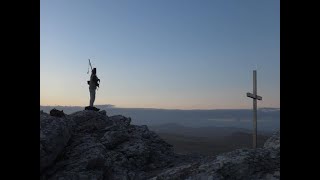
x=91, y=97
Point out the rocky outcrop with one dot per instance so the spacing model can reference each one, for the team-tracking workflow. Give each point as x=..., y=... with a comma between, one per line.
x=54, y=136
x=261, y=163
x=91, y=145
x=273, y=141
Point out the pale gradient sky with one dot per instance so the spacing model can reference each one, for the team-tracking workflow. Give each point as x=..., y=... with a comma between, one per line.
x=172, y=54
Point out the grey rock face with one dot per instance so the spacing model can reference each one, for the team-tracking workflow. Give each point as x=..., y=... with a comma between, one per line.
x=273, y=141
x=91, y=145
x=261, y=163
x=54, y=136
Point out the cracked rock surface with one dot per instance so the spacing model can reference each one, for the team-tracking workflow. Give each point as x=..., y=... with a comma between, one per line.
x=91, y=145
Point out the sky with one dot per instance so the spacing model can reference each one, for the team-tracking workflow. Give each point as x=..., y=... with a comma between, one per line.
x=170, y=54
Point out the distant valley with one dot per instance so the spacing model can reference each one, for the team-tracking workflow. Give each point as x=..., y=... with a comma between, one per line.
x=207, y=140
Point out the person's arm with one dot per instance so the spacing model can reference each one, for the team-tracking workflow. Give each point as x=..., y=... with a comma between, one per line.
x=91, y=78
x=97, y=78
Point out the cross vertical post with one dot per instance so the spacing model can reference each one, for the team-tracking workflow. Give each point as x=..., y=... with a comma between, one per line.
x=255, y=97
x=254, y=110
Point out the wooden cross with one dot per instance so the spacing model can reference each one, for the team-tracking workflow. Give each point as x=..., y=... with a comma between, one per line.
x=255, y=97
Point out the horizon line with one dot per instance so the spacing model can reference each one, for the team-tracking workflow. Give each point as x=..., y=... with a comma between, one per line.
x=113, y=106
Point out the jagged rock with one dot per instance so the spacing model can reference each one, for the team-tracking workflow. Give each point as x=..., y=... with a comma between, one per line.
x=113, y=138
x=103, y=112
x=120, y=120
x=273, y=141
x=261, y=163
x=92, y=145
x=54, y=136
x=57, y=113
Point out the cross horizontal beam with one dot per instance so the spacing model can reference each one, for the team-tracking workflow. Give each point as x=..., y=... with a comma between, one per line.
x=254, y=96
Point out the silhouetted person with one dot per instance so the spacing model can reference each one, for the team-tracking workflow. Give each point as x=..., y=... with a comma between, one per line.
x=93, y=84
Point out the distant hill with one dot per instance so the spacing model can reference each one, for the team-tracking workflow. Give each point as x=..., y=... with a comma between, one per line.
x=196, y=131
x=210, y=131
